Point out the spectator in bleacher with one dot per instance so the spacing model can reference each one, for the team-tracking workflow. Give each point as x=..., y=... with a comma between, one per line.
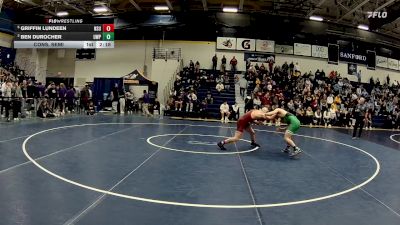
x=291, y=69
x=249, y=104
x=179, y=101
x=257, y=102
x=327, y=118
x=223, y=64
x=233, y=63
x=214, y=62
x=224, y=109
x=219, y=87
x=219, y=79
x=191, y=100
x=235, y=111
x=191, y=66
x=318, y=117
x=309, y=115
x=271, y=62
x=209, y=98
x=170, y=103
x=197, y=68
x=203, y=109
x=226, y=82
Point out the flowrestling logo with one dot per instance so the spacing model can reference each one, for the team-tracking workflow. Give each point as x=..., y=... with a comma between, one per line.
x=380, y=15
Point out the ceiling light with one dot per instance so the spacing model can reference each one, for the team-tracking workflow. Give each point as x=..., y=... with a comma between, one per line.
x=62, y=13
x=161, y=8
x=316, y=18
x=100, y=9
x=363, y=27
x=230, y=9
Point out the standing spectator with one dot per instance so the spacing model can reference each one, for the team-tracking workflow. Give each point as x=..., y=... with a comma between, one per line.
x=224, y=109
x=291, y=69
x=359, y=114
x=62, y=92
x=7, y=94
x=16, y=103
x=359, y=77
x=223, y=64
x=70, y=97
x=243, y=86
x=214, y=62
x=197, y=68
x=114, y=98
x=233, y=64
x=271, y=62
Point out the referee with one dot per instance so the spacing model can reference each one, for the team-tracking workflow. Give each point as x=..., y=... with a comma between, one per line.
x=360, y=115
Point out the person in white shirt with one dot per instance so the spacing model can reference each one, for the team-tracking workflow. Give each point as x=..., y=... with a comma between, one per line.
x=327, y=118
x=329, y=100
x=191, y=98
x=257, y=103
x=224, y=109
x=219, y=87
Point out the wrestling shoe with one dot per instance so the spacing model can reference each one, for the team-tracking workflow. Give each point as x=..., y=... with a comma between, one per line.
x=295, y=152
x=254, y=144
x=221, y=146
x=286, y=150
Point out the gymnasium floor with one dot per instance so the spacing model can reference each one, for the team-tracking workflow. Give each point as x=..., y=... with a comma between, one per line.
x=134, y=170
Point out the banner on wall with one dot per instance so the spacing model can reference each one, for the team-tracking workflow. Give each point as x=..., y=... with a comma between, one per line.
x=393, y=64
x=319, y=51
x=284, y=49
x=226, y=43
x=265, y=46
x=258, y=57
x=245, y=44
x=352, y=57
x=302, y=49
x=381, y=61
x=352, y=69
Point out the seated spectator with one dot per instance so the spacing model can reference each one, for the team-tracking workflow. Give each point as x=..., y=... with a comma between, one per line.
x=327, y=118
x=179, y=102
x=309, y=116
x=170, y=103
x=317, y=117
x=91, y=109
x=44, y=111
x=219, y=87
x=191, y=99
x=203, y=109
x=257, y=102
x=249, y=104
x=209, y=98
x=224, y=109
x=235, y=111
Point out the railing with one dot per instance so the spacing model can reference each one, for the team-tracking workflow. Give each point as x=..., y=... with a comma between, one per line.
x=167, y=53
x=170, y=83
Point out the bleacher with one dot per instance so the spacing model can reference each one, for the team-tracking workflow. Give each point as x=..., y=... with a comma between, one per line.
x=212, y=109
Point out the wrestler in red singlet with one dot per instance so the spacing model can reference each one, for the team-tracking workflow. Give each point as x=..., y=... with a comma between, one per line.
x=244, y=124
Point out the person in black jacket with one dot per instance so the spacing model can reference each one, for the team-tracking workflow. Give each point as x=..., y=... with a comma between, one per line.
x=360, y=112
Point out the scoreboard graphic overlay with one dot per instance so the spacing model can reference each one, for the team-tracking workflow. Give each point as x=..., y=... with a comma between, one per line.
x=66, y=33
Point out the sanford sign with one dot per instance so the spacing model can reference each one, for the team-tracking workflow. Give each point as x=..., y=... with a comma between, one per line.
x=352, y=57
